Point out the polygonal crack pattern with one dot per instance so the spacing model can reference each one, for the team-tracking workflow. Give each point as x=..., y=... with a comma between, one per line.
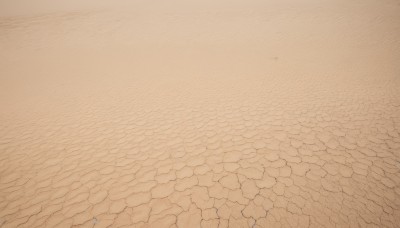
x=232, y=167
x=242, y=151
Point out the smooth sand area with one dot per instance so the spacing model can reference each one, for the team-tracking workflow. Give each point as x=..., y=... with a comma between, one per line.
x=200, y=113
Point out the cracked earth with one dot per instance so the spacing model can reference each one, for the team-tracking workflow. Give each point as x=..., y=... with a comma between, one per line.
x=228, y=114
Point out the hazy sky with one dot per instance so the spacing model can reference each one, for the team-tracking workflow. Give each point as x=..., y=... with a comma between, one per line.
x=34, y=7
x=29, y=7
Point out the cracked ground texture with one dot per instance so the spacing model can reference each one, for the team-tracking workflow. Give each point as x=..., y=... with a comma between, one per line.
x=201, y=114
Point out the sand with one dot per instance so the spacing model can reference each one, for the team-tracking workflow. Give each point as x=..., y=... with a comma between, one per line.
x=273, y=113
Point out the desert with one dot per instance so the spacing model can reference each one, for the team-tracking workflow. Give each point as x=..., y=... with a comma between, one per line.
x=257, y=113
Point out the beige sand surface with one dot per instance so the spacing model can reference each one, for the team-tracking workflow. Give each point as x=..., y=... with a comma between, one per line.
x=189, y=113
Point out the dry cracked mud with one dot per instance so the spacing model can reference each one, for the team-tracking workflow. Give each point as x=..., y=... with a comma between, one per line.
x=201, y=114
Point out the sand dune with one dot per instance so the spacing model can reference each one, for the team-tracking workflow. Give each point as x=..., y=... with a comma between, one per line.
x=200, y=113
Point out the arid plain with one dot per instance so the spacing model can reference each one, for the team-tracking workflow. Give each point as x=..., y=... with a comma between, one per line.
x=274, y=113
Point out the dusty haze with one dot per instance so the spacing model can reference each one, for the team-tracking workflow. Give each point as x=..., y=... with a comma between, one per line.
x=274, y=113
